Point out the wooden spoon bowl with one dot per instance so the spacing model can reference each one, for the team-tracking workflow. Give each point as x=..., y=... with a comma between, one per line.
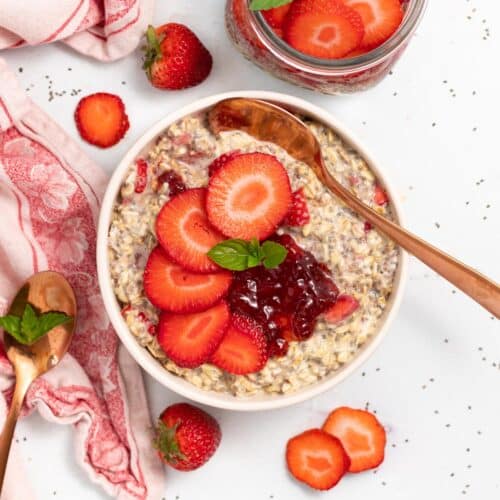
x=46, y=291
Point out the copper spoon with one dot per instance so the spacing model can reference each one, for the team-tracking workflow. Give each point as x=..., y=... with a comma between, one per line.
x=47, y=291
x=268, y=122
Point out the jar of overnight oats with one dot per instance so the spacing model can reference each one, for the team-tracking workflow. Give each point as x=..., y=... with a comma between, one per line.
x=257, y=41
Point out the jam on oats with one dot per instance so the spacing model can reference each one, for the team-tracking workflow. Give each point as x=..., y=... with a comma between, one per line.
x=299, y=321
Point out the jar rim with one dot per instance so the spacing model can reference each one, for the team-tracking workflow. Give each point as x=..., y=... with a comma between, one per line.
x=281, y=49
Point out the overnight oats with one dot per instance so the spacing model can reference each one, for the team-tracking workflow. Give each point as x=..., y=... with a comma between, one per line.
x=333, y=46
x=238, y=270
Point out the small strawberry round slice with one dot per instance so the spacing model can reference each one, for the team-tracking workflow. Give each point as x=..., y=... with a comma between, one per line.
x=249, y=196
x=316, y=459
x=326, y=29
x=141, y=179
x=243, y=349
x=381, y=18
x=190, y=339
x=380, y=196
x=101, y=119
x=183, y=230
x=361, y=434
x=342, y=309
x=170, y=287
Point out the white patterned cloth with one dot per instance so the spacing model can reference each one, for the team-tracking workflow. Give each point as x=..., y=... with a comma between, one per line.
x=103, y=29
x=49, y=201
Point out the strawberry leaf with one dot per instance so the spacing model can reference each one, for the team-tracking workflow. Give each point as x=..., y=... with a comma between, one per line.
x=152, y=50
x=165, y=441
x=267, y=4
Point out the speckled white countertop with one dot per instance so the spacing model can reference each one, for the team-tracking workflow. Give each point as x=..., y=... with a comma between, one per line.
x=435, y=381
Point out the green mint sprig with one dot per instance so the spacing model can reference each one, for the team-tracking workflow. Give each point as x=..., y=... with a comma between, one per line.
x=28, y=328
x=267, y=4
x=238, y=255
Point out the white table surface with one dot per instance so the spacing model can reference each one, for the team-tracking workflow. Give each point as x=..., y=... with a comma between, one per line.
x=435, y=380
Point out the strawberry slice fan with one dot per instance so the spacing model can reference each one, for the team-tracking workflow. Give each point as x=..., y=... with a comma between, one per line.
x=49, y=202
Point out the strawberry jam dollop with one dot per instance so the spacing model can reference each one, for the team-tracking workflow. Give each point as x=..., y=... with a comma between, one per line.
x=175, y=183
x=286, y=300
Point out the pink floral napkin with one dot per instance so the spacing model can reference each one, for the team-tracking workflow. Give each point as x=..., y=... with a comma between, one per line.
x=104, y=29
x=49, y=203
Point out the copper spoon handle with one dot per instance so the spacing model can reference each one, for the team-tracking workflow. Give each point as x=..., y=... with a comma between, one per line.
x=22, y=385
x=471, y=282
x=270, y=122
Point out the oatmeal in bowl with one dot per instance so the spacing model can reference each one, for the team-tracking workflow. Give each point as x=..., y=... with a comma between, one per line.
x=231, y=274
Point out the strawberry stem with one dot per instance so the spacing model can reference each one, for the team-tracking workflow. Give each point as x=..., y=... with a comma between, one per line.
x=166, y=443
x=152, y=50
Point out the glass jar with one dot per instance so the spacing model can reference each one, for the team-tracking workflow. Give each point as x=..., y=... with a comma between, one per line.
x=257, y=41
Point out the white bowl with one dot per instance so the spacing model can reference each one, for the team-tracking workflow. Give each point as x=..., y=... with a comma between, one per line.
x=144, y=358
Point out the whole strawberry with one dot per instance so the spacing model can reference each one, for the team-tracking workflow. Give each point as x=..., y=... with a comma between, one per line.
x=175, y=58
x=186, y=437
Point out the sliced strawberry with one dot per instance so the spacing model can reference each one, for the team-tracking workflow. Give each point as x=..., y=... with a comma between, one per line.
x=317, y=459
x=342, y=309
x=249, y=196
x=361, y=435
x=380, y=196
x=183, y=230
x=141, y=179
x=368, y=227
x=101, y=119
x=299, y=212
x=275, y=17
x=356, y=52
x=243, y=349
x=381, y=18
x=171, y=288
x=221, y=160
x=190, y=339
x=279, y=32
x=327, y=29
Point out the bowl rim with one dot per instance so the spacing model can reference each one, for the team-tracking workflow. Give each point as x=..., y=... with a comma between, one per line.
x=142, y=355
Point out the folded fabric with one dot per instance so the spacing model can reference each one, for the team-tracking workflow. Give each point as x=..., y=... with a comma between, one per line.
x=103, y=29
x=49, y=202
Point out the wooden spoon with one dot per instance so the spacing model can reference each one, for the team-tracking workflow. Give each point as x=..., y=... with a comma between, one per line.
x=46, y=291
x=268, y=122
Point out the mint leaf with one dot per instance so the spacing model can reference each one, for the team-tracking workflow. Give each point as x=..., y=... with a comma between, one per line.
x=253, y=261
x=267, y=4
x=254, y=247
x=274, y=254
x=48, y=321
x=31, y=327
x=29, y=324
x=238, y=255
x=11, y=324
x=233, y=255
